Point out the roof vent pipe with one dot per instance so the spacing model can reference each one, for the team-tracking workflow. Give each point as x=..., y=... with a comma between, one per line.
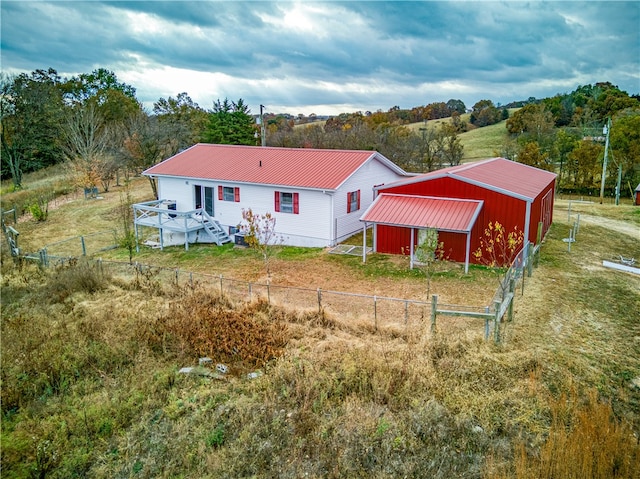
x=260, y=162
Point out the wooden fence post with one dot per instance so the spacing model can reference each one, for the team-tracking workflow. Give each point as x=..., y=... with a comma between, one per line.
x=250, y=295
x=319, y=300
x=44, y=260
x=496, y=323
x=406, y=312
x=221, y=289
x=434, y=309
x=512, y=288
x=486, y=324
x=268, y=291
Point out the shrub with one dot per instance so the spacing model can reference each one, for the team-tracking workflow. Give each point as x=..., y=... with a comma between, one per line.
x=75, y=276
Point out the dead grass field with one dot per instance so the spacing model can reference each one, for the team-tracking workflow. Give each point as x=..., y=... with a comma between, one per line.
x=72, y=215
x=90, y=383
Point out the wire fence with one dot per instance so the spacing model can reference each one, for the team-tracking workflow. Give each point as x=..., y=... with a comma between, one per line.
x=376, y=311
x=84, y=245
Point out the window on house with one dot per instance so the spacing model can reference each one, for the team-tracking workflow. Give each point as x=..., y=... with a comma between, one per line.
x=228, y=193
x=287, y=202
x=353, y=201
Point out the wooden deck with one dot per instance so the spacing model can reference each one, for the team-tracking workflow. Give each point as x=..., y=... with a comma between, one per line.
x=158, y=214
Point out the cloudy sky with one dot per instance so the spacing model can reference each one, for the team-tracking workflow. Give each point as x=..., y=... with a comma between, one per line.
x=332, y=56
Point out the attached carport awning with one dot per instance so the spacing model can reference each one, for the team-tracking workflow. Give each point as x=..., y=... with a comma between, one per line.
x=422, y=212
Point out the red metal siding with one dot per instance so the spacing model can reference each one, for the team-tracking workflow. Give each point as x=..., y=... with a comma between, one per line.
x=397, y=240
x=508, y=211
x=393, y=239
x=538, y=213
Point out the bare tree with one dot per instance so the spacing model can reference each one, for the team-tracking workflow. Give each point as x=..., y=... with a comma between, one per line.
x=86, y=142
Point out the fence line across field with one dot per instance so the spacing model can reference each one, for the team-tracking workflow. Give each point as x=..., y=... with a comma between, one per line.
x=382, y=310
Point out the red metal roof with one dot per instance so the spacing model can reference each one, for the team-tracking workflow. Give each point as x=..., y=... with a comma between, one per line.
x=295, y=167
x=444, y=214
x=498, y=174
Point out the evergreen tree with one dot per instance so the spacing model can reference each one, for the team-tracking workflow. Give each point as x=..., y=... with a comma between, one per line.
x=230, y=123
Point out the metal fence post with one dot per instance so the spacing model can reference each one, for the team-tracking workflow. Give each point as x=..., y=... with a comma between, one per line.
x=375, y=312
x=319, y=300
x=84, y=246
x=221, y=290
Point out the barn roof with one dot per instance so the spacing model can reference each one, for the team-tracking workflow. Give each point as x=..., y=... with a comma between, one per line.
x=294, y=167
x=443, y=214
x=497, y=174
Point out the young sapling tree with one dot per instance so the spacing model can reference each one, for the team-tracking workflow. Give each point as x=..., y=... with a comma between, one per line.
x=428, y=251
x=499, y=248
x=126, y=238
x=260, y=235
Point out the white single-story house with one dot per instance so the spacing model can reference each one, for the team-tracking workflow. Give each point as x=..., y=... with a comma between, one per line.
x=317, y=196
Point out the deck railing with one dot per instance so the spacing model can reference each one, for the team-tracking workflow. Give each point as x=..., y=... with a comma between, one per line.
x=152, y=215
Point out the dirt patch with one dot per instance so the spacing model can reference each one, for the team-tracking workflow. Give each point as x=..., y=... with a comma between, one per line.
x=622, y=227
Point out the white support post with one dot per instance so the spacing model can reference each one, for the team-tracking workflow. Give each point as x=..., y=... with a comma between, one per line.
x=466, y=255
x=364, y=243
x=412, y=248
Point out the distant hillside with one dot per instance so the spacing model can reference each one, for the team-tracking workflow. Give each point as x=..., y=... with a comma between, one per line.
x=485, y=142
x=479, y=143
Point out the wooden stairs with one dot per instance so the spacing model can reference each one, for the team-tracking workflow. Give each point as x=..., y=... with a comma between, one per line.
x=214, y=229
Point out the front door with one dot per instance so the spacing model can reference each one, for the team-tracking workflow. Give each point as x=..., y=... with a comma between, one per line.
x=203, y=198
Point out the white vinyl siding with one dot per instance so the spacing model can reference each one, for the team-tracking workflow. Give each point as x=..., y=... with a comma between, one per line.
x=371, y=173
x=322, y=218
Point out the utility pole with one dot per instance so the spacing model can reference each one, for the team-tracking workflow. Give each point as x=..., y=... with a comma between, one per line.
x=605, y=130
x=263, y=130
x=618, y=184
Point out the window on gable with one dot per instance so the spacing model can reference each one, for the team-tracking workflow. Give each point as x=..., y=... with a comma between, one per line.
x=229, y=193
x=287, y=202
x=353, y=201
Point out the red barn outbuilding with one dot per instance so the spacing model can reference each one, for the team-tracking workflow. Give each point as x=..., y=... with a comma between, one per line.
x=459, y=202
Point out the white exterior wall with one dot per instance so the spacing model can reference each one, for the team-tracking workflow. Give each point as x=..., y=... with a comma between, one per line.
x=370, y=174
x=322, y=220
x=311, y=227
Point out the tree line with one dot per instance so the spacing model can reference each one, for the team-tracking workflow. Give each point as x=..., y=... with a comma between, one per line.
x=566, y=134
x=94, y=125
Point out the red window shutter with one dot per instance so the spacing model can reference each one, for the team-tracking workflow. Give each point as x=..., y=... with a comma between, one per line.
x=220, y=197
x=236, y=194
x=277, y=198
x=358, y=194
x=349, y=202
x=296, y=204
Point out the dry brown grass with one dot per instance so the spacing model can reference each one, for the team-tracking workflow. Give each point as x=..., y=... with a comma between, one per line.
x=91, y=373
